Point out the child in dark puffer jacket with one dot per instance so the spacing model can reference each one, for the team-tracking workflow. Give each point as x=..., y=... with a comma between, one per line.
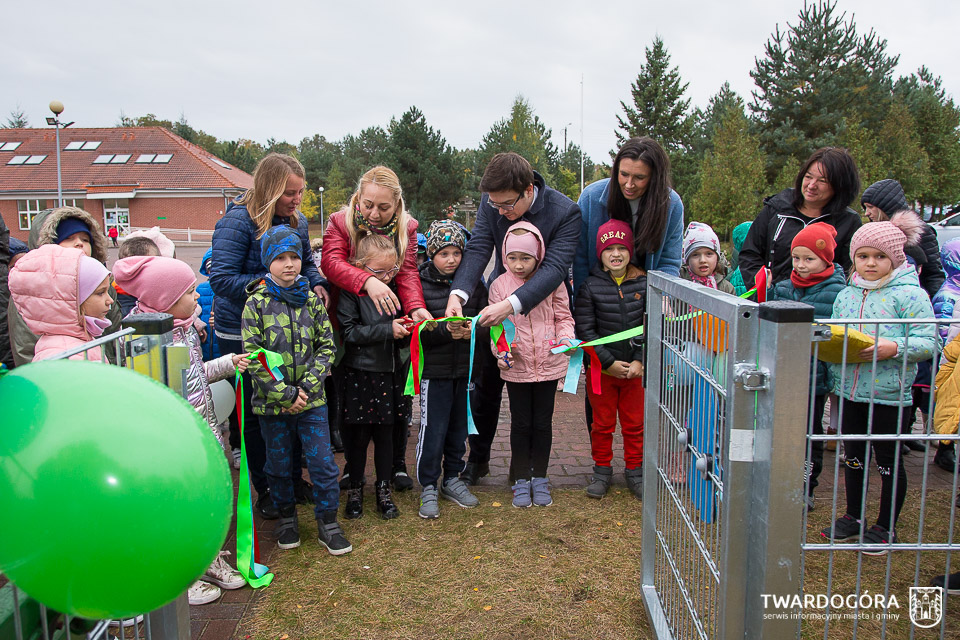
x=443, y=387
x=815, y=280
x=612, y=299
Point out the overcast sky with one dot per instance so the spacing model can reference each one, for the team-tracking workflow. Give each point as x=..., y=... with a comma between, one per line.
x=292, y=69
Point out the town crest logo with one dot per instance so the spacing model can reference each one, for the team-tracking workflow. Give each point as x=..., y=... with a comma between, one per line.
x=926, y=606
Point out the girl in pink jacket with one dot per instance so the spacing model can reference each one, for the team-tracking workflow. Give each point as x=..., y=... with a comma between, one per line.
x=529, y=369
x=63, y=296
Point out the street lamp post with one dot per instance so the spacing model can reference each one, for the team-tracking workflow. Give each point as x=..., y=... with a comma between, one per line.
x=57, y=108
x=321, y=209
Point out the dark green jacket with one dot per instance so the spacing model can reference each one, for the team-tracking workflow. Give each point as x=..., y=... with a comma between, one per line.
x=302, y=335
x=821, y=297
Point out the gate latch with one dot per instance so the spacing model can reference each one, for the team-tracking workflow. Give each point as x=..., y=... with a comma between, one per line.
x=822, y=333
x=751, y=377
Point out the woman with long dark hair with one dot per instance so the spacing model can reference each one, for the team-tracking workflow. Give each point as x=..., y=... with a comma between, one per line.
x=637, y=192
x=822, y=192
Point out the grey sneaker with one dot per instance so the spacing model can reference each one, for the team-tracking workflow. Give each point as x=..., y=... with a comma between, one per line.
x=456, y=490
x=521, y=494
x=541, y=492
x=429, y=506
x=600, y=483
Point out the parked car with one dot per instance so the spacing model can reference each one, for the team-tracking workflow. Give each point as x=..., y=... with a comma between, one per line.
x=948, y=228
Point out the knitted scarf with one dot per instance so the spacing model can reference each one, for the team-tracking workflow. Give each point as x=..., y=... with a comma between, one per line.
x=296, y=294
x=816, y=278
x=389, y=229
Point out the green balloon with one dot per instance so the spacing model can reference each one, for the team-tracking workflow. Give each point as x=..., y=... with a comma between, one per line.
x=115, y=495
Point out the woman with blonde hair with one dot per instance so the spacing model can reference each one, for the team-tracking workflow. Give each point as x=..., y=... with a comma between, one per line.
x=376, y=208
x=278, y=184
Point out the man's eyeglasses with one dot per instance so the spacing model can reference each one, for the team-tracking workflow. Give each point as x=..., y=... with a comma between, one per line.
x=383, y=272
x=504, y=206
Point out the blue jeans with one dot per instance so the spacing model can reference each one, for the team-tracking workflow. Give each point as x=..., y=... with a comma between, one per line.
x=443, y=429
x=279, y=433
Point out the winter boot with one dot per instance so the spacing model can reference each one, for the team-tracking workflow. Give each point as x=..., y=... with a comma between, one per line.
x=474, y=471
x=385, y=505
x=634, y=478
x=354, y=506
x=600, y=483
x=288, y=529
x=331, y=535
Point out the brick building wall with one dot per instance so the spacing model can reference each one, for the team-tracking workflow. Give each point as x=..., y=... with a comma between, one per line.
x=180, y=212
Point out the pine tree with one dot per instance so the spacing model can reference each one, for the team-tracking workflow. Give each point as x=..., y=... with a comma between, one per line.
x=813, y=76
x=658, y=109
x=18, y=119
x=425, y=164
x=937, y=119
x=523, y=133
x=732, y=182
x=901, y=152
x=864, y=147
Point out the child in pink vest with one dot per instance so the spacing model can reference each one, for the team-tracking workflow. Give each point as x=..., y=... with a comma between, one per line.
x=529, y=369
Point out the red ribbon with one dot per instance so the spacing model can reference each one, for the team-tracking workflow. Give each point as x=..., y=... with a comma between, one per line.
x=760, y=283
x=415, y=356
x=594, y=370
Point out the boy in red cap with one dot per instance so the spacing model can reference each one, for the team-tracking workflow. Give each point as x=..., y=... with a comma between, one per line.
x=613, y=298
x=815, y=280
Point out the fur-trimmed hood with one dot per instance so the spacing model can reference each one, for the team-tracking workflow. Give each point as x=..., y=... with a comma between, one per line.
x=44, y=230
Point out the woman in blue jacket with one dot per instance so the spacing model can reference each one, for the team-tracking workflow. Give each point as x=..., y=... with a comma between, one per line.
x=278, y=184
x=637, y=192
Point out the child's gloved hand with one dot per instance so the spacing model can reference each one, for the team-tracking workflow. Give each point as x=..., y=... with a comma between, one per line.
x=240, y=362
x=619, y=369
x=399, y=330
x=635, y=370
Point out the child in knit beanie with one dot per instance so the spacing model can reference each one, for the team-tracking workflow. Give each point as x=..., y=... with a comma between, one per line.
x=815, y=280
x=873, y=391
x=703, y=261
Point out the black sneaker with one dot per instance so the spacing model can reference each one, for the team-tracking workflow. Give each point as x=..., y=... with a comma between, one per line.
x=288, y=529
x=353, y=509
x=878, y=535
x=474, y=471
x=331, y=535
x=401, y=481
x=845, y=528
x=265, y=506
x=950, y=583
x=388, y=510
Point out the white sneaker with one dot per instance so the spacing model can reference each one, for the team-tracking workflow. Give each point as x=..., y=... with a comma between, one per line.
x=127, y=622
x=202, y=593
x=222, y=574
x=236, y=458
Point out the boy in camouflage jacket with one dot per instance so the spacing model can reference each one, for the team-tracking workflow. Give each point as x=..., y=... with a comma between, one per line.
x=283, y=315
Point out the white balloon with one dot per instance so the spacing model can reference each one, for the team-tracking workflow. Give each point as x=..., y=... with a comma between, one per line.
x=224, y=400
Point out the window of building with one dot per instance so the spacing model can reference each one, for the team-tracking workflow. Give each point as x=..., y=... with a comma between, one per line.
x=222, y=163
x=28, y=210
x=120, y=158
x=74, y=202
x=162, y=158
x=103, y=159
x=90, y=146
x=35, y=159
x=146, y=157
x=116, y=213
x=9, y=146
x=17, y=159
x=76, y=145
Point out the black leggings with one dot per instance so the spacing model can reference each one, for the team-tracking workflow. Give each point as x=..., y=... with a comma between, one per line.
x=357, y=443
x=885, y=419
x=531, y=427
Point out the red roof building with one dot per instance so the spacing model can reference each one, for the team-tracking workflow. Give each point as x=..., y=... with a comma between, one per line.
x=124, y=177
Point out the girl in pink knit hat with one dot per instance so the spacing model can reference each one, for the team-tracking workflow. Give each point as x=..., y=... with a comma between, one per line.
x=883, y=285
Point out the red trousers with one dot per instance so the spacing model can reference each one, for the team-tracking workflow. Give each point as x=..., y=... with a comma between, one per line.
x=626, y=398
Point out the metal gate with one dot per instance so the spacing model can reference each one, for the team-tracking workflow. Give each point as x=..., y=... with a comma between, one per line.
x=729, y=549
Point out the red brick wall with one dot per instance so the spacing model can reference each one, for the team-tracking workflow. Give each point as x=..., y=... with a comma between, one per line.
x=181, y=213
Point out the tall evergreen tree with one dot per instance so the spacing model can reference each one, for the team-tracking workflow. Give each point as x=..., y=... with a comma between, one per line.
x=863, y=144
x=523, y=133
x=937, y=119
x=362, y=152
x=425, y=164
x=732, y=180
x=658, y=108
x=18, y=119
x=814, y=75
x=903, y=157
